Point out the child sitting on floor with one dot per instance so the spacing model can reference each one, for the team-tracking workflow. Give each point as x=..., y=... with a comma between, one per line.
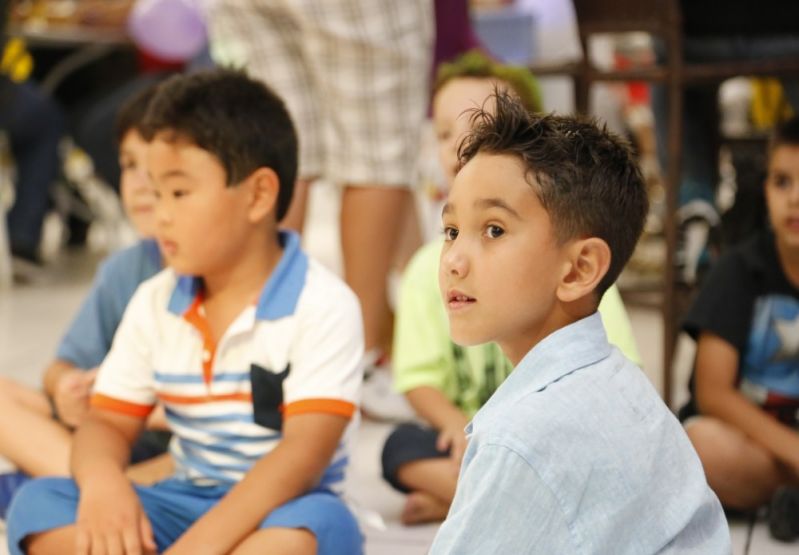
x=742, y=415
x=252, y=348
x=575, y=452
x=39, y=441
x=445, y=383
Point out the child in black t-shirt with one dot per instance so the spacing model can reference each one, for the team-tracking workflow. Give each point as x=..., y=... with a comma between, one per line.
x=742, y=417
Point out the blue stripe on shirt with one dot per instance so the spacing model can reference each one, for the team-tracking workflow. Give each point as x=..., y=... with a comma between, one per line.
x=193, y=421
x=188, y=445
x=222, y=377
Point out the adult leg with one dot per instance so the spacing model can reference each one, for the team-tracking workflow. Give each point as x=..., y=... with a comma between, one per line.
x=742, y=473
x=35, y=126
x=371, y=64
x=267, y=39
x=36, y=443
x=295, y=217
x=371, y=218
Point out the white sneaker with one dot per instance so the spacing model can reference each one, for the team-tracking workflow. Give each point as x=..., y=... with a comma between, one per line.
x=379, y=400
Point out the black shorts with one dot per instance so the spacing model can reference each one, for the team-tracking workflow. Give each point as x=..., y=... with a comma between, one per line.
x=408, y=443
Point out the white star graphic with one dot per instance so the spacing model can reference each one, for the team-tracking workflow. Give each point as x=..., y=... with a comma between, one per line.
x=788, y=333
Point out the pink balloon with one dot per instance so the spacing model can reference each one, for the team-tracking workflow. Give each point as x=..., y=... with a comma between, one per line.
x=172, y=30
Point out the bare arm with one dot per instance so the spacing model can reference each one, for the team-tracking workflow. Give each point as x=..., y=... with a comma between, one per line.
x=294, y=466
x=716, y=370
x=433, y=406
x=110, y=517
x=102, y=444
x=444, y=416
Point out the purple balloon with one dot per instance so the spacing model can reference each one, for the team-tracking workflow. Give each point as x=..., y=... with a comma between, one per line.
x=171, y=30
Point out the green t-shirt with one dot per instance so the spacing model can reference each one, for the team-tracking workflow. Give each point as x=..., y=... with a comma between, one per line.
x=424, y=355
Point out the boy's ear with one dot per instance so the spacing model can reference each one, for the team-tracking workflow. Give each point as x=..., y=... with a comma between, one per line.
x=263, y=185
x=588, y=262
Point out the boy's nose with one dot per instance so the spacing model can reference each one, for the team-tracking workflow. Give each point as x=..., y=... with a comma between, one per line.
x=454, y=262
x=162, y=214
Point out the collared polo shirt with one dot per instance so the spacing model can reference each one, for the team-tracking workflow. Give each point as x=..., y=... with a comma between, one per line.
x=576, y=453
x=296, y=350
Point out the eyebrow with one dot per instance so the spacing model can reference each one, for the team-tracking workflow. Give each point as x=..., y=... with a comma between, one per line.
x=487, y=203
x=172, y=173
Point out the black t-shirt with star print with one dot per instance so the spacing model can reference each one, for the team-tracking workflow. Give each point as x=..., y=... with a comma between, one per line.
x=747, y=301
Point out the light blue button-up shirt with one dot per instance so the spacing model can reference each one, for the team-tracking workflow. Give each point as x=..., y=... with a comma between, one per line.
x=576, y=453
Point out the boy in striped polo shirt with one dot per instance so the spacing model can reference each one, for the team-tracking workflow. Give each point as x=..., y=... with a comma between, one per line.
x=252, y=348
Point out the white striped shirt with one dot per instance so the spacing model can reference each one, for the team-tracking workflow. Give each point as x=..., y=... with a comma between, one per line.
x=297, y=350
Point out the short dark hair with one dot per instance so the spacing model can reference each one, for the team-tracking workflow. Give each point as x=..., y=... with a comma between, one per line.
x=236, y=118
x=130, y=116
x=585, y=176
x=785, y=134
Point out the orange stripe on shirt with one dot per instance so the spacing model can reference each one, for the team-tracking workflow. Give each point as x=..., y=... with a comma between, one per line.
x=117, y=405
x=328, y=406
x=185, y=400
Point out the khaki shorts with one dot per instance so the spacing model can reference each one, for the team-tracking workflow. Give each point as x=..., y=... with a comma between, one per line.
x=353, y=73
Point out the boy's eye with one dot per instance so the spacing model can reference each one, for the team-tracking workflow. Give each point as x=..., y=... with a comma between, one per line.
x=781, y=180
x=179, y=193
x=494, y=231
x=450, y=233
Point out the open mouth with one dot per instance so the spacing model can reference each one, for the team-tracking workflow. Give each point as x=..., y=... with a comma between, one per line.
x=456, y=299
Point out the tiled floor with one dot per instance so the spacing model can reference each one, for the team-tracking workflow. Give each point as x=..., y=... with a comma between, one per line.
x=33, y=316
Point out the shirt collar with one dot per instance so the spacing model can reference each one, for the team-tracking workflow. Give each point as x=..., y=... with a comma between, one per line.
x=575, y=346
x=279, y=295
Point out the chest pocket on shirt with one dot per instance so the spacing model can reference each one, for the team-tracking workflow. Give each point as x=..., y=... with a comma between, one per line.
x=267, y=396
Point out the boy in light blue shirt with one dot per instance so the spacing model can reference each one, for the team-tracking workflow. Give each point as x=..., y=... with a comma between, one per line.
x=38, y=443
x=575, y=452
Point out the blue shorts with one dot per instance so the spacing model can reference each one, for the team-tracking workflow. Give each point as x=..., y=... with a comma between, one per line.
x=174, y=505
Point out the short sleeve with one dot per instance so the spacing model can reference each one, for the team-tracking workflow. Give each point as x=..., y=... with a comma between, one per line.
x=422, y=353
x=325, y=358
x=502, y=505
x=125, y=382
x=724, y=303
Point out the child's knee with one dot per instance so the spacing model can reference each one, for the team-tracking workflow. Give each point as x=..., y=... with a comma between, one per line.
x=712, y=438
x=40, y=505
x=408, y=443
x=723, y=448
